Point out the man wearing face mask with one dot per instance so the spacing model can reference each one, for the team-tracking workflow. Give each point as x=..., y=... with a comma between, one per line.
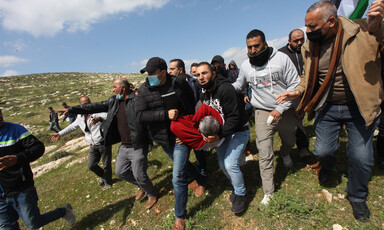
x=342, y=84
x=268, y=73
x=218, y=64
x=121, y=126
x=161, y=99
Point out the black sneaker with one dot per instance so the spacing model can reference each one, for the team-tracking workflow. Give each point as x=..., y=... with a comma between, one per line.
x=232, y=197
x=360, y=211
x=324, y=176
x=238, y=204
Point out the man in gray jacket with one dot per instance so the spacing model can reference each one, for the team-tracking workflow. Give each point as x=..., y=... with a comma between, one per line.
x=269, y=73
x=90, y=125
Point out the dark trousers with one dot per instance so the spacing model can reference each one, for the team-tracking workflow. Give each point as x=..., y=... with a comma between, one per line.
x=131, y=166
x=97, y=152
x=301, y=135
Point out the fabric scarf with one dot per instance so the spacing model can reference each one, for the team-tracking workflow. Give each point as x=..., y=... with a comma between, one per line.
x=312, y=98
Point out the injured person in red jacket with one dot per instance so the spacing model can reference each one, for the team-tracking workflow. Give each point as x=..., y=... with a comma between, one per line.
x=190, y=128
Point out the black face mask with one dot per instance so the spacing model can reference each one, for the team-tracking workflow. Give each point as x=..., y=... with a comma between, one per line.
x=221, y=70
x=261, y=58
x=317, y=36
x=207, y=85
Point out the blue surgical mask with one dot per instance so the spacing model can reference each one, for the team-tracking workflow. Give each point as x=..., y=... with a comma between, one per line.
x=153, y=80
x=120, y=96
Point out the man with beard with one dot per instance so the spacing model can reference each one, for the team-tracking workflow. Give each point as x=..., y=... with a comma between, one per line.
x=268, y=73
x=218, y=93
x=342, y=85
x=293, y=50
x=163, y=98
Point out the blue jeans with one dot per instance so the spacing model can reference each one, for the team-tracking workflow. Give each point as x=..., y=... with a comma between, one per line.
x=327, y=124
x=228, y=154
x=54, y=124
x=24, y=205
x=182, y=168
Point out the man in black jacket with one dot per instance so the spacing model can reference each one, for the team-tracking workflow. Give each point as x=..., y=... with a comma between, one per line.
x=218, y=92
x=293, y=50
x=18, y=148
x=121, y=126
x=161, y=99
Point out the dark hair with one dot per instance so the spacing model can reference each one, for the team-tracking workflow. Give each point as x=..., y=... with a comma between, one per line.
x=50, y=108
x=290, y=33
x=124, y=82
x=209, y=66
x=63, y=103
x=256, y=33
x=180, y=64
x=194, y=64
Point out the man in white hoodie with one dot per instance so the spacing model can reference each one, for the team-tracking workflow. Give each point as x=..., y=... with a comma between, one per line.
x=90, y=125
x=268, y=72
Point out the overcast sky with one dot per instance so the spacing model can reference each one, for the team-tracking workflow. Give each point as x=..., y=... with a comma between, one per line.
x=38, y=36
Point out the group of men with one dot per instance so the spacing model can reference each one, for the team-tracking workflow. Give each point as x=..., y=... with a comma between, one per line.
x=339, y=85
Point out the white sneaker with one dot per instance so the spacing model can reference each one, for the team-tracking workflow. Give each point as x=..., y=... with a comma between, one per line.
x=69, y=216
x=266, y=199
x=287, y=160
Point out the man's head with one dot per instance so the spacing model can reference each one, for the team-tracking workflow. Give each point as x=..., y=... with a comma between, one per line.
x=296, y=40
x=121, y=87
x=321, y=21
x=205, y=75
x=193, y=69
x=256, y=42
x=64, y=105
x=157, y=71
x=1, y=119
x=84, y=100
x=50, y=108
x=209, y=126
x=176, y=67
x=218, y=62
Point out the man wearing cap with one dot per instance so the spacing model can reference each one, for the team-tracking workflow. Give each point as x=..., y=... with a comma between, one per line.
x=161, y=99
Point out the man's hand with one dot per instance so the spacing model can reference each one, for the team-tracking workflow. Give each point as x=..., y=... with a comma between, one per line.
x=375, y=15
x=246, y=100
x=55, y=137
x=210, y=138
x=7, y=161
x=287, y=96
x=173, y=114
x=178, y=141
x=276, y=115
x=95, y=120
x=62, y=111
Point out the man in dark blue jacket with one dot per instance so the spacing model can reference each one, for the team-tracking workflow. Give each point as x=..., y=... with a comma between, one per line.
x=18, y=148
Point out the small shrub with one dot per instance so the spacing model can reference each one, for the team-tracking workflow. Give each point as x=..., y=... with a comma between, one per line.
x=58, y=155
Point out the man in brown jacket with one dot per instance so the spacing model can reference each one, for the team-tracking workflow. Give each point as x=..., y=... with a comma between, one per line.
x=342, y=85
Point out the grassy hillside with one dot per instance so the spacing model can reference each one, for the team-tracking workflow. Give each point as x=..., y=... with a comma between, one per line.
x=297, y=203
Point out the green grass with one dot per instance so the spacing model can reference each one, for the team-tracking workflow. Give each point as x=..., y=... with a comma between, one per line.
x=296, y=205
